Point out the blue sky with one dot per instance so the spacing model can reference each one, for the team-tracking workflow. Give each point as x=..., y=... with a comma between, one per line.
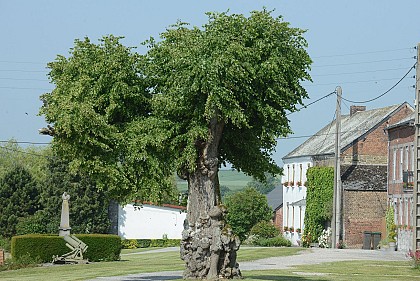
x=363, y=46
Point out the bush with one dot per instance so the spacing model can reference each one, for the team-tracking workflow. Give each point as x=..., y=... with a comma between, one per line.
x=265, y=229
x=245, y=209
x=278, y=241
x=5, y=244
x=101, y=247
x=146, y=243
x=39, y=223
x=23, y=262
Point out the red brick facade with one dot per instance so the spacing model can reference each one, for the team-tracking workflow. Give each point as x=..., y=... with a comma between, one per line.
x=364, y=177
x=364, y=211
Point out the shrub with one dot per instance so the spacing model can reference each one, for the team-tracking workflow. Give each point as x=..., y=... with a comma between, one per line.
x=22, y=262
x=245, y=209
x=101, y=247
x=5, y=244
x=146, y=243
x=264, y=229
x=278, y=241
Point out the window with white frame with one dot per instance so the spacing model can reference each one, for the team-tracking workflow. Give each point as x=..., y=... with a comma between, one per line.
x=394, y=164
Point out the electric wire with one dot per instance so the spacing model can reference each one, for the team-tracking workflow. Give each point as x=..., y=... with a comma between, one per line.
x=386, y=92
x=311, y=103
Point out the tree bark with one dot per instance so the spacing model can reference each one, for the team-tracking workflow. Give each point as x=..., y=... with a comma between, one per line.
x=208, y=246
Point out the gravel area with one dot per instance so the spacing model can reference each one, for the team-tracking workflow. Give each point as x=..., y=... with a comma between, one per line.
x=309, y=256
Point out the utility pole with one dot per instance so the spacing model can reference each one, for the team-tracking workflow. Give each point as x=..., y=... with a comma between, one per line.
x=336, y=221
x=416, y=189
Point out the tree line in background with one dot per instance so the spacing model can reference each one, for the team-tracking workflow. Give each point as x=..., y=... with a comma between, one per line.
x=32, y=181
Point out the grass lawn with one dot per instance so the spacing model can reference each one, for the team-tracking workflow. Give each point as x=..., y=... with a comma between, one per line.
x=130, y=263
x=154, y=262
x=341, y=271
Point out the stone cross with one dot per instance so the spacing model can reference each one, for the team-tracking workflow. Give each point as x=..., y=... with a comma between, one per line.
x=65, y=214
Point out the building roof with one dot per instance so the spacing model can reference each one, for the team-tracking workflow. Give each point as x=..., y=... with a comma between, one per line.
x=407, y=121
x=364, y=177
x=275, y=198
x=353, y=127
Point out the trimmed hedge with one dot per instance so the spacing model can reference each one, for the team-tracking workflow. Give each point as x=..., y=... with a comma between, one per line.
x=146, y=243
x=101, y=247
x=278, y=241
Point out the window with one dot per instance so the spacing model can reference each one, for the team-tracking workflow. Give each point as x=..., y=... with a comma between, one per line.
x=406, y=159
x=288, y=173
x=394, y=164
x=412, y=158
x=293, y=173
x=301, y=172
x=401, y=163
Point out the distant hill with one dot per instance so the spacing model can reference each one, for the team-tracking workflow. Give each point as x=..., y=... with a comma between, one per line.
x=231, y=178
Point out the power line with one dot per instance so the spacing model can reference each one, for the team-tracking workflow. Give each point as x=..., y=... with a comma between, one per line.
x=351, y=82
x=25, y=142
x=358, y=72
x=387, y=91
x=365, y=53
x=365, y=62
x=309, y=104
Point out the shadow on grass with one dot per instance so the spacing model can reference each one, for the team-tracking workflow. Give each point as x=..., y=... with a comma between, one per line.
x=151, y=278
x=283, y=278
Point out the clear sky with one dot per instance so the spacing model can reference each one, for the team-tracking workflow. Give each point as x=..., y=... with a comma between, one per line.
x=363, y=46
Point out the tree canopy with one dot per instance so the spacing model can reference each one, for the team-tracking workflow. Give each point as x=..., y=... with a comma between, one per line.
x=130, y=120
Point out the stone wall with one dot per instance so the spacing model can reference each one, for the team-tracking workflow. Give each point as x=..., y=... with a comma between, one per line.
x=405, y=240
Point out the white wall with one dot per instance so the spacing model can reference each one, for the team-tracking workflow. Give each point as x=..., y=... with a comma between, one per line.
x=150, y=222
x=294, y=170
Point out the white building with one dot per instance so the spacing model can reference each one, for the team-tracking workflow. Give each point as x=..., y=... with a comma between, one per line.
x=294, y=196
x=150, y=222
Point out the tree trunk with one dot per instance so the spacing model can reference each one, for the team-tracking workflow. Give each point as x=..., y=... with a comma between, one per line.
x=208, y=246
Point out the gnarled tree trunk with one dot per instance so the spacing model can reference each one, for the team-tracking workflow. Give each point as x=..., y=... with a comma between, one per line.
x=208, y=246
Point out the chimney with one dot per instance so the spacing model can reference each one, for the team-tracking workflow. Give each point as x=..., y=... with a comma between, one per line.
x=356, y=108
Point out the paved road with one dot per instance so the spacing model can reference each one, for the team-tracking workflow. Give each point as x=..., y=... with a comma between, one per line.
x=310, y=256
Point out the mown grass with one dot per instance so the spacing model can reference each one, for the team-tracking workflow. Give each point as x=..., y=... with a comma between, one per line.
x=130, y=263
x=341, y=271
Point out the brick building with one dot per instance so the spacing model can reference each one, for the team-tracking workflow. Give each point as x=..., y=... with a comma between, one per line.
x=364, y=158
x=275, y=202
x=401, y=178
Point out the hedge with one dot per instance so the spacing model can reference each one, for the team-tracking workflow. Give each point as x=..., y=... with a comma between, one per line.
x=101, y=247
x=146, y=243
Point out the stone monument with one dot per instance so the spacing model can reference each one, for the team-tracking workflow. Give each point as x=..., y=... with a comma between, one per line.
x=65, y=216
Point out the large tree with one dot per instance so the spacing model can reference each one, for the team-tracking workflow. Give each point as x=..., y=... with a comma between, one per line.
x=199, y=98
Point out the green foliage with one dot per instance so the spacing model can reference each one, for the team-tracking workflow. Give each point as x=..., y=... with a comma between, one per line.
x=278, y=241
x=131, y=121
x=88, y=205
x=39, y=223
x=42, y=247
x=265, y=186
x=19, y=195
x=33, y=159
x=24, y=261
x=100, y=110
x=100, y=247
x=391, y=228
x=5, y=244
x=146, y=243
x=265, y=229
x=228, y=70
x=245, y=209
x=319, y=197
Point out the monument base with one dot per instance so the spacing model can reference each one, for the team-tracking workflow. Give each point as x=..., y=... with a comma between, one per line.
x=64, y=231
